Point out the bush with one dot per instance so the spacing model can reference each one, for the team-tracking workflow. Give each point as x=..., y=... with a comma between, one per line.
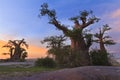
x=45, y=62
x=99, y=58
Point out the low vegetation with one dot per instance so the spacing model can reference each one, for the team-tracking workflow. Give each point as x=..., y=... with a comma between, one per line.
x=99, y=57
x=45, y=62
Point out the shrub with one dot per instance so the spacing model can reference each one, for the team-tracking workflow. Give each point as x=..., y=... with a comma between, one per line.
x=45, y=62
x=99, y=57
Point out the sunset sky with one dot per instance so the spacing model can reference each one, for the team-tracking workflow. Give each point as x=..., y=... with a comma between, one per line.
x=19, y=19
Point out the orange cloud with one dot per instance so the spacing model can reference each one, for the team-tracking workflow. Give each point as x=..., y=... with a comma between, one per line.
x=116, y=14
x=3, y=50
x=33, y=51
x=36, y=52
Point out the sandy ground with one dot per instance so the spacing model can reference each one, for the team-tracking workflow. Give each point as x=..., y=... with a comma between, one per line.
x=29, y=62
x=80, y=73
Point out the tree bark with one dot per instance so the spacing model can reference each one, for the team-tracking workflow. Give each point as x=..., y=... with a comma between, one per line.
x=80, y=47
x=102, y=47
x=16, y=56
x=17, y=52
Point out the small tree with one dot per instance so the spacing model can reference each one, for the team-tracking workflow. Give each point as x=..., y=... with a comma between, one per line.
x=103, y=39
x=100, y=57
x=56, y=47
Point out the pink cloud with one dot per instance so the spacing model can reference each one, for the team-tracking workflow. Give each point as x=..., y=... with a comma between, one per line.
x=116, y=26
x=116, y=14
x=113, y=19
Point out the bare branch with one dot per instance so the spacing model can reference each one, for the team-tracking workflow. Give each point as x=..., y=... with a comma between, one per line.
x=52, y=17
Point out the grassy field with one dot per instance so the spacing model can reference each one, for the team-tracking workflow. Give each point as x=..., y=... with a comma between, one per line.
x=21, y=71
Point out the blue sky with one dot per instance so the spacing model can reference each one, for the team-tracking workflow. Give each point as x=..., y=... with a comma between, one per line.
x=19, y=18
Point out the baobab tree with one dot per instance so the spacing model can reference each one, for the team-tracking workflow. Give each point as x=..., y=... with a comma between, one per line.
x=103, y=39
x=78, y=41
x=16, y=49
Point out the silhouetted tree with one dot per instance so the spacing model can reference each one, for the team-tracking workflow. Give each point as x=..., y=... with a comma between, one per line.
x=16, y=49
x=103, y=39
x=78, y=43
x=56, y=47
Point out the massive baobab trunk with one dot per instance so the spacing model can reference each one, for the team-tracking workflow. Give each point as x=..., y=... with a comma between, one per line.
x=79, y=45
